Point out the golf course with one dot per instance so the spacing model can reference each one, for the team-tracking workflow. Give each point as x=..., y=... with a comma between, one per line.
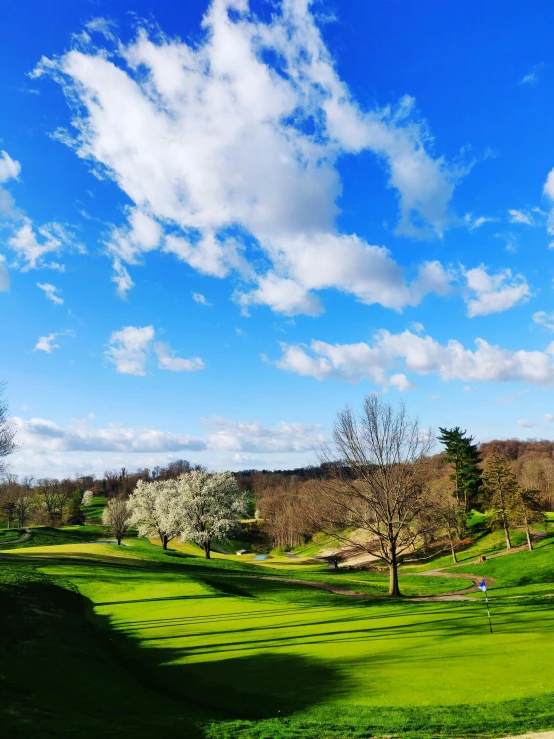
x=279, y=647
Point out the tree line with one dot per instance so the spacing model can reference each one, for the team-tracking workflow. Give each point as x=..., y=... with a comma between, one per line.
x=377, y=489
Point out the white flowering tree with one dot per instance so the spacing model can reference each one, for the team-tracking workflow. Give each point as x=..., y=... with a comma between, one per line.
x=208, y=506
x=88, y=495
x=116, y=517
x=153, y=512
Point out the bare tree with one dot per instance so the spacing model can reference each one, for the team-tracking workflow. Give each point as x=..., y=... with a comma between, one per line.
x=54, y=495
x=376, y=480
x=7, y=432
x=116, y=516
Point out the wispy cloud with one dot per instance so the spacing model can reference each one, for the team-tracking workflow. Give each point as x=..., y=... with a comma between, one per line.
x=50, y=292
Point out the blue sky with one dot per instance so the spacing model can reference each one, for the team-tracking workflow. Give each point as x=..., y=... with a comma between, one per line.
x=221, y=222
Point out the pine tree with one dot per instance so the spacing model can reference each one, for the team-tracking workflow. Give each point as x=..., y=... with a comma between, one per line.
x=465, y=459
x=501, y=489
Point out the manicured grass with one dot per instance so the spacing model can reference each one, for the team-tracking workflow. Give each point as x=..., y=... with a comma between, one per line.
x=94, y=511
x=254, y=658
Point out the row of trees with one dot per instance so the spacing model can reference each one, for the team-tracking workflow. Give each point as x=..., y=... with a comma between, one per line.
x=196, y=506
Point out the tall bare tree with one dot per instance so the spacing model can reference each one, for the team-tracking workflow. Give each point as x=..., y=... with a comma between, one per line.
x=376, y=480
x=7, y=432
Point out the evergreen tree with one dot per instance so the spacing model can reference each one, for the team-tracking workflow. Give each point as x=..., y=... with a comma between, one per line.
x=501, y=490
x=76, y=517
x=465, y=459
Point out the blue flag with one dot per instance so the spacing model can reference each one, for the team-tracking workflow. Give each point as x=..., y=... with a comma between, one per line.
x=483, y=586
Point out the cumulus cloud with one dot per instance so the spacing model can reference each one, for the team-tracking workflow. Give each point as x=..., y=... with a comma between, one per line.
x=48, y=448
x=9, y=168
x=526, y=423
x=130, y=348
x=421, y=355
x=50, y=292
x=493, y=293
x=46, y=343
x=238, y=142
x=548, y=417
x=38, y=434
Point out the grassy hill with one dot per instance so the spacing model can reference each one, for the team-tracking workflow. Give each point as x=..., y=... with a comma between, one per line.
x=233, y=649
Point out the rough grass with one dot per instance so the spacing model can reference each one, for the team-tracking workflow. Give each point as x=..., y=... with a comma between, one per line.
x=8, y=535
x=521, y=574
x=44, y=536
x=171, y=640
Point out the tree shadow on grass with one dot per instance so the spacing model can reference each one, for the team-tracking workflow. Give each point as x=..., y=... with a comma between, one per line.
x=264, y=685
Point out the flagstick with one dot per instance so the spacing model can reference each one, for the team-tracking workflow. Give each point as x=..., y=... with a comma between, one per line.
x=488, y=610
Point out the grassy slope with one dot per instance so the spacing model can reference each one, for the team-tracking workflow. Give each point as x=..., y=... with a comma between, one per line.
x=325, y=665
x=8, y=535
x=94, y=511
x=42, y=536
x=64, y=679
x=525, y=573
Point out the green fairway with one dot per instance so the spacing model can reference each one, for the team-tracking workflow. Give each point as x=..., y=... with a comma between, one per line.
x=240, y=651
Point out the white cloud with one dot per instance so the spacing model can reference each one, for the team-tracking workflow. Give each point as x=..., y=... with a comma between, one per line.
x=526, y=423
x=401, y=382
x=39, y=434
x=121, y=278
x=4, y=276
x=168, y=361
x=520, y=216
x=50, y=292
x=130, y=348
x=31, y=248
x=532, y=77
x=421, y=355
x=50, y=449
x=199, y=298
x=548, y=417
x=45, y=344
x=473, y=222
x=251, y=436
x=548, y=190
x=221, y=154
x=544, y=319
x=9, y=168
x=494, y=293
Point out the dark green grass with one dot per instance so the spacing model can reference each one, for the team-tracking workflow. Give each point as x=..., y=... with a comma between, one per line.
x=43, y=536
x=61, y=678
x=8, y=535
